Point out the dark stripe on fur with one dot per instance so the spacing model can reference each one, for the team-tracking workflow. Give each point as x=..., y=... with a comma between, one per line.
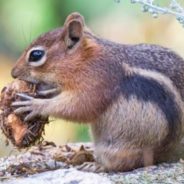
x=147, y=89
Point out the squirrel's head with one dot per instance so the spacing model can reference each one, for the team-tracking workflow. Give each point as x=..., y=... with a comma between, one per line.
x=59, y=55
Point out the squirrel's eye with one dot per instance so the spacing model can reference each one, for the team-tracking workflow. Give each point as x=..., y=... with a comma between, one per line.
x=36, y=55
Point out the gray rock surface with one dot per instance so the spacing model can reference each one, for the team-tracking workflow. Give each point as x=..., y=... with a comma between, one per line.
x=54, y=172
x=62, y=176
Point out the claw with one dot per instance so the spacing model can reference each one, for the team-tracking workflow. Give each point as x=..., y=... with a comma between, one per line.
x=30, y=116
x=22, y=95
x=48, y=92
x=21, y=103
x=91, y=167
x=22, y=110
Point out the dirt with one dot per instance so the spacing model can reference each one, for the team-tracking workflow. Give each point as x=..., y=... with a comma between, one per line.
x=45, y=156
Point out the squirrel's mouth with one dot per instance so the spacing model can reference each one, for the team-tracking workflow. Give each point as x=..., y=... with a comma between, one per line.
x=45, y=89
x=40, y=84
x=29, y=80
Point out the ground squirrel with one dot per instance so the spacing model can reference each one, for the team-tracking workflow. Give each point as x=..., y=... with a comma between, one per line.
x=131, y=95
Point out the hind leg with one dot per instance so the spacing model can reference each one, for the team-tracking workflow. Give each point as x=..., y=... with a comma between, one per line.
x=113, y=160
x=120, y=160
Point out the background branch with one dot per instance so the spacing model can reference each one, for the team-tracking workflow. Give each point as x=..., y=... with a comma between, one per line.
x=174, y=8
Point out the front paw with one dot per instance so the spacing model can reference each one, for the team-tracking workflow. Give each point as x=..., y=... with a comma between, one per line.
x=31, y=106
x=49, y=92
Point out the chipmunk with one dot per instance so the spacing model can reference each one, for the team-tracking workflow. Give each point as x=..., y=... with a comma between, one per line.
x=131, y=95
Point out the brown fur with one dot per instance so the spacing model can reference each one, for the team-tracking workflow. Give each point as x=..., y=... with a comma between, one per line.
x=128, y=133
x=131, y=133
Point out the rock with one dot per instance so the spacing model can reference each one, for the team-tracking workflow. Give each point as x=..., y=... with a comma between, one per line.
x=63, y=176
x=38, y=165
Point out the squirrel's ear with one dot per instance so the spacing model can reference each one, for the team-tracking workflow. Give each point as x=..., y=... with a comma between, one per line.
x=73, y=29
x=74, y=16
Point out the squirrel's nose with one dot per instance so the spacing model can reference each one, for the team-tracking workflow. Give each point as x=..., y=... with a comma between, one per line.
x=14, y=73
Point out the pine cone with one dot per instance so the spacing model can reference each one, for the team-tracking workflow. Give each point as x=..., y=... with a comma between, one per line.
x=21, y=134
